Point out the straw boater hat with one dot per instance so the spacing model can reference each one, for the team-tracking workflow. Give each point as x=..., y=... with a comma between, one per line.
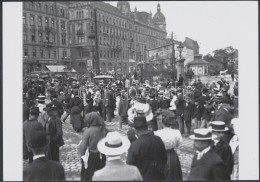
x=218, y=126
x=113, y=144
x=202, y=134
x=41, y=99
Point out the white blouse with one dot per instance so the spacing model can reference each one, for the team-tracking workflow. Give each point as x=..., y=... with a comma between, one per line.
x=171, y=137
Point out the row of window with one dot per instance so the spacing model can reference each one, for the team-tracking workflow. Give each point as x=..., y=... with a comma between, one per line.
x=48, y=38
x=46, y=8
x=43, y=53
x=48, y=21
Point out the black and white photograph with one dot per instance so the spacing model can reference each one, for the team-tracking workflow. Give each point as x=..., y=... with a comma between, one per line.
x=130, y=90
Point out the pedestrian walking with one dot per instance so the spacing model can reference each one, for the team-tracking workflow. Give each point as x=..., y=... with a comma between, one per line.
x=96, y=130
x=172, y=139
x=147, y=153
x=76, y=107
x=206, y=164
x=30, y=125
x=122, y=109
x=42, y=169
x=221, y=147
x=54, y=130
x=113, y=146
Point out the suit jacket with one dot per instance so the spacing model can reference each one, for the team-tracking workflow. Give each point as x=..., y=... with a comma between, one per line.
x=225, y=153
x=180, y=104
x=117, y=170
x=188, y=111
x=43, y=169
x=209, y=167
x=55, y=131
x=223, y=115
x=148, y=154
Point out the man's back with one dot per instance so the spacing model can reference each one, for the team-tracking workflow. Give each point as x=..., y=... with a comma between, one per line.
x=209, y=167
x=43, y=169
x=117, y=170
x=149, y=155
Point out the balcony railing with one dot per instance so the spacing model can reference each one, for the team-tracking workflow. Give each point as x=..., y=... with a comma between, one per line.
x=80, y=32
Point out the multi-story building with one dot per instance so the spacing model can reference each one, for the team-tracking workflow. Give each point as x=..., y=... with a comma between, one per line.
x=123, y=36
x=45, y=34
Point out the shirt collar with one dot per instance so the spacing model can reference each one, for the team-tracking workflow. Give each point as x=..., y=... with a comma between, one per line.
x=113, y=158
x=200, y=154
x=38, y=156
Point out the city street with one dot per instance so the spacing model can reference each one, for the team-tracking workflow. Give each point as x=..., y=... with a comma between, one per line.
x=71, y=160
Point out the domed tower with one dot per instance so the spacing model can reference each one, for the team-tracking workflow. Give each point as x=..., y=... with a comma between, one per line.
x=159, y=18
x=124, y=6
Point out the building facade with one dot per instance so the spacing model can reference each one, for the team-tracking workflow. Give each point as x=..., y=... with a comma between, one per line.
x=45, y=34
x=122, y=35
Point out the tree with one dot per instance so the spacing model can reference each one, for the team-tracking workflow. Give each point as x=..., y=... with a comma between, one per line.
x=228, y=56
x=207, y=57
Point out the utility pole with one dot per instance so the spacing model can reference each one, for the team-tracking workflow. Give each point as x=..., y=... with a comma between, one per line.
x=173, y=57
x=96, y=43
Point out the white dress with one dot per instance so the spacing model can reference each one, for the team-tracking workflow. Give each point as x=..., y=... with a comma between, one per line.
x=171, y=137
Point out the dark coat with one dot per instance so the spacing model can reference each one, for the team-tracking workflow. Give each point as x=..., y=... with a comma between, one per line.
x=28, y=126
x=123, y=107
x=43, y=169
x=55, y=131
x=224, y=151
x=209, y=167
x=154, y=105
x=188, y=111
x=76, y=101
x=59, y=107
x=223, y=115
x=180, y=104
x=148, y=154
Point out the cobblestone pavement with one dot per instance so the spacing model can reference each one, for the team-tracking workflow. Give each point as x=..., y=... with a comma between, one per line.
x=71, y=161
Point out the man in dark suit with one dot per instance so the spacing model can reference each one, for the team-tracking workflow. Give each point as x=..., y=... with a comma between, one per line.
x=41, y=168
x=221, y=147
x=54, y=130
x=28, y=126
x=147, y=153
x=206, y=164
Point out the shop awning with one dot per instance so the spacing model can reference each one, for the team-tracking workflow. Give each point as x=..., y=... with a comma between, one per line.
x=59, y=68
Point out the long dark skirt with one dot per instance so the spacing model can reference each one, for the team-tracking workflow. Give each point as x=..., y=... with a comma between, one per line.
x=76, y=121
x=96, y=161
x=173, y=167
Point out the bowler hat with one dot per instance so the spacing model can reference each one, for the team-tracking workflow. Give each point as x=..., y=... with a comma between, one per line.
x=140, y=122
x=34, y=111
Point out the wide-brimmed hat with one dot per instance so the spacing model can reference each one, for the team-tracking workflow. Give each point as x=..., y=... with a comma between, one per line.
x=113, y=144
x=216, y=90
x=202, y=134
x=218, y=126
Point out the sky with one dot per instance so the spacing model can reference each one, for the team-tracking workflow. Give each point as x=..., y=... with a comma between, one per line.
x=214, y=25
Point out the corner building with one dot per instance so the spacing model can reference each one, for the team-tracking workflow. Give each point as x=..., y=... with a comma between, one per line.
x=123, y=36
x=45, y=35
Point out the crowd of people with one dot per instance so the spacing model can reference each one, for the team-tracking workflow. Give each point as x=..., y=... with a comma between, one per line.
x=159, y=116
